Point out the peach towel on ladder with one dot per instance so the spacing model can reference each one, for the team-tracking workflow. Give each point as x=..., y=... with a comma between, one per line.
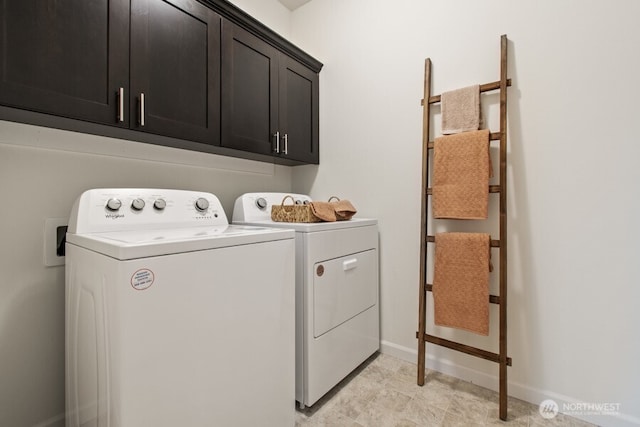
x=461, y=171
x=461, y=281
x=461, y=110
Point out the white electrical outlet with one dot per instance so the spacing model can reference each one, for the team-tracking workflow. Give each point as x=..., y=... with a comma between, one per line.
x=51, y=257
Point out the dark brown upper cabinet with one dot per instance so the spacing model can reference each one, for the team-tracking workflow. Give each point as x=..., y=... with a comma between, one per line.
x=175, y=69
x=249, y=91
x=193, y=74
x=81, y=59
x=269, y=100
x=65, y=57
x=298, y=111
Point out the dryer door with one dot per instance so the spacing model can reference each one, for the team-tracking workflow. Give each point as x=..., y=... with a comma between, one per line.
x=343, y=288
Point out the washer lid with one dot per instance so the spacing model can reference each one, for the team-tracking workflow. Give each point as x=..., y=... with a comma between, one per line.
x=124, y=245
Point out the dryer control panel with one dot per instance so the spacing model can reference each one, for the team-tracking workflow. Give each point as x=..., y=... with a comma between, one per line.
x=121, y=209
x=251, y=207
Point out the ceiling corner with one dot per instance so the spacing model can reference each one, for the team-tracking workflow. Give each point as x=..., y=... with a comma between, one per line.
x=293, y=4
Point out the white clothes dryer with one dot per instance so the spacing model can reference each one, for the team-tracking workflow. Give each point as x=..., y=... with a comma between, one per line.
x=174, y=317
x=337, y=308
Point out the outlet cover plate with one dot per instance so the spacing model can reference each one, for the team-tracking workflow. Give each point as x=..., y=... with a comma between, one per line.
x=51, y=259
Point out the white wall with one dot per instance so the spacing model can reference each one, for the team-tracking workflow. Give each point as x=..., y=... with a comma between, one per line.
x=271, y=13
x=573, y=202
x=42, y=171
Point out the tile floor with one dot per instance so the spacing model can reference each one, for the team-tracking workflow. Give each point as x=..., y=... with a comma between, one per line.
x=383, y=393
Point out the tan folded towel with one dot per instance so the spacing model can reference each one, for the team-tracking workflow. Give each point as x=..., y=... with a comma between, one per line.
x=344, y=210
x=461, y=110
x=461, y=171
x=323, y=210
x=461, y=281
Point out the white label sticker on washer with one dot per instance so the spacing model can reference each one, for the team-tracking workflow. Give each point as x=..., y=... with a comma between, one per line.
x=142, y=279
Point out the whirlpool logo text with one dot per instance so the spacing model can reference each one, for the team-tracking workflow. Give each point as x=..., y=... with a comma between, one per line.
x=113, y=215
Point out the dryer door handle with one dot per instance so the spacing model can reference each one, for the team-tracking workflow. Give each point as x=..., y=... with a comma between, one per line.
x=350, y=264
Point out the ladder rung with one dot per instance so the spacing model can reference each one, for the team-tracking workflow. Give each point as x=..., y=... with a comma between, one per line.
x=494, y=243
x=487, y=87
x=474, y=351
x=493, y=299
x=493, y=136
x=492, y=189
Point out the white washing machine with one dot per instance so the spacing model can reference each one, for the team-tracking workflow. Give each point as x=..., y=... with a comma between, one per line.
x=337, y=309
x=174, y=317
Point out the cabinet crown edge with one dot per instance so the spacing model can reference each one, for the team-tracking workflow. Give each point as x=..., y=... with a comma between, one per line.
x=241, y=18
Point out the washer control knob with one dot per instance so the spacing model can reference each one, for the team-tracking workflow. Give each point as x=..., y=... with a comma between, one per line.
x=137, y=204
x=202, y=204
x=113, y=204
x=160, y=204
x=261, y=203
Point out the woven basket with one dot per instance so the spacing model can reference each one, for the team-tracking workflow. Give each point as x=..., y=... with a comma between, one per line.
x=292, y=213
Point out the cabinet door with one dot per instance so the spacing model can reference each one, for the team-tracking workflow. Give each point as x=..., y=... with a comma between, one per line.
x=249, y=91
x=175, y=69
x=67, y=58
x=299, y=110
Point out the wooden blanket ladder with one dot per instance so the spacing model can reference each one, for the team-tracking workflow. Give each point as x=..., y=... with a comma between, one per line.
x=425, y=239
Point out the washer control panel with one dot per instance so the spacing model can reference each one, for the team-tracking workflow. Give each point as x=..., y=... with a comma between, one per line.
x=114, y=209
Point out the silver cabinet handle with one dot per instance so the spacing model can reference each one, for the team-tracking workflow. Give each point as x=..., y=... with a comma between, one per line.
x=286, y=143
x=142, y=109
x=121, y=104
x=277, y=137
